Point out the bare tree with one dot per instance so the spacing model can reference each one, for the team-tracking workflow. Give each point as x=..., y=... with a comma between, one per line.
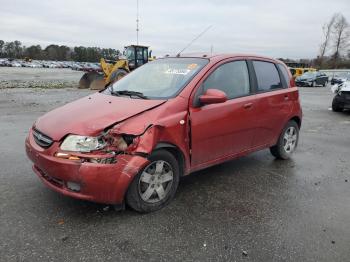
x=341, y=37
x=327, y=31
x=2, y=43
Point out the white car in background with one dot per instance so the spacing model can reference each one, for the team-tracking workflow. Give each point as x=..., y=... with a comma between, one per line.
x=16, y=64
x=341, y=100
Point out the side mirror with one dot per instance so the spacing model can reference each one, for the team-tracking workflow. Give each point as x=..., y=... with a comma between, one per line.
x=213, y=96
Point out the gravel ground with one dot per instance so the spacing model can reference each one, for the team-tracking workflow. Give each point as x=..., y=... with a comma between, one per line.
x=23, y=77
x=251, y=209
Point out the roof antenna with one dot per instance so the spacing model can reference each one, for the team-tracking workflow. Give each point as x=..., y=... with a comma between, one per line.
x=137, y=22
x=190, y=43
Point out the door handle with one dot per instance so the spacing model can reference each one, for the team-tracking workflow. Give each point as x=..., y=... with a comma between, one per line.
x=286, y=97
x=248, y=105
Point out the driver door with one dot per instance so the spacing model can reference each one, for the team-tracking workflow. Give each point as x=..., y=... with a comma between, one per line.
x=223, y=130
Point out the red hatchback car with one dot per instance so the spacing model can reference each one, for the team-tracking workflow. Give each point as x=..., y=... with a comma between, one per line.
x=131, y=142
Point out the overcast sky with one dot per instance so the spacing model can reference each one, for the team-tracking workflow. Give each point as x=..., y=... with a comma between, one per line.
x=269, y=27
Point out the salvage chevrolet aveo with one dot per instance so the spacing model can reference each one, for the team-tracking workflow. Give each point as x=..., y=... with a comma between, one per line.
x=131, y=142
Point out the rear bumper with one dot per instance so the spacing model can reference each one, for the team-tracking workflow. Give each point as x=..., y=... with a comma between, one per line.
x=102, y=183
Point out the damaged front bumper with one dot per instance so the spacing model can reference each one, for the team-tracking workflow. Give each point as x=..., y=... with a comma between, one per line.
x=97, y=182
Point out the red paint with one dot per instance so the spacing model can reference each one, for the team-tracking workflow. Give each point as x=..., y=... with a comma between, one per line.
x=213, y=96
x=216, y=131
x=90, y=115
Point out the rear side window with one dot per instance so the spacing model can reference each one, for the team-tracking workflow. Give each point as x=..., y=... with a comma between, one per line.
x=267, y=76
x=284, y=74
x=232, y=78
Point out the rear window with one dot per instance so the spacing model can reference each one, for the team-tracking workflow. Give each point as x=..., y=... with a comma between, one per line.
x=267, y=76
x=284, y=74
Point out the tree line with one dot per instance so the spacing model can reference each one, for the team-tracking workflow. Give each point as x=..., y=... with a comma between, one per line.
x=15, y=49
x=334, y=50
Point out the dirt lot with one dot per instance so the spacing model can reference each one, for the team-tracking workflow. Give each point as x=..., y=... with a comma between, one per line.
x=11, y=77
x=296, y=210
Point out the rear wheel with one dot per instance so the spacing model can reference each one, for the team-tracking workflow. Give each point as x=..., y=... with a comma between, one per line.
x=117, y=75
x=287, y=142
x=336, y=107
x=155, y=186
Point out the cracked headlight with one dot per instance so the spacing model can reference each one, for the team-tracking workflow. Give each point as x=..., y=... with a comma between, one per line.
x=82, y=143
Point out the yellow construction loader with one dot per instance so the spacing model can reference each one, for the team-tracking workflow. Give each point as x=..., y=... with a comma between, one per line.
x=134, y=57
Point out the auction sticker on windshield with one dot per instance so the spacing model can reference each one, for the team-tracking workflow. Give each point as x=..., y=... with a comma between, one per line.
x=173, y=71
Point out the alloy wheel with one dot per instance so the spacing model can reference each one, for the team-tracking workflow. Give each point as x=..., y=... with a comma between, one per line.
x=155, y=181
x=290, y=139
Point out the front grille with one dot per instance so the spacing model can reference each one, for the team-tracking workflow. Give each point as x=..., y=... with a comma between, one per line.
x=42, y=139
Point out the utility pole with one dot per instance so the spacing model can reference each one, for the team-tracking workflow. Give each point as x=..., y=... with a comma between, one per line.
x=137, y=22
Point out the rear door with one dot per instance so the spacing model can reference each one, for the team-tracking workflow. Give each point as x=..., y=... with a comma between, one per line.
x=274, y=101
x=219, y=131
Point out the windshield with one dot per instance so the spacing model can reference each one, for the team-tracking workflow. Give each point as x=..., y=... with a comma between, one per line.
x=160, y=79
x=130, y=54
x=309, y=74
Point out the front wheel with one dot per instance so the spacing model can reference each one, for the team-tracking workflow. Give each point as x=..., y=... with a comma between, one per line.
x=287, y=142
x=155, y=186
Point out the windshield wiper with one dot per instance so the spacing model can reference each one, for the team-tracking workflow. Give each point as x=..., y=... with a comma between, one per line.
x=128, y=93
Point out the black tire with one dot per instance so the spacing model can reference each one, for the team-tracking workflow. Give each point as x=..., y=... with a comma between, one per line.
x=279, y=150
x=133, y=195
x=335, y=106
x=117, y=75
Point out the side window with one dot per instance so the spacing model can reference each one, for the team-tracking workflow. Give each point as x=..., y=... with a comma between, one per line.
x=232, y=78
x=145, y=54
x=267, y=76
x=139, y=56
x=284, y=74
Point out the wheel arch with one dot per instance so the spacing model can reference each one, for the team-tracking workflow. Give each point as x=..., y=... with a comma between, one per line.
x=297, y=120
x=173, y=149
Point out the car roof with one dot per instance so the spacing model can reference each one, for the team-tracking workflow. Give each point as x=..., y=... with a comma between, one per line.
x=219, y=57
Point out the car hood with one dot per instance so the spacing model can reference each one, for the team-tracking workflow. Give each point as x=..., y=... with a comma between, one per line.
x=90, y=115
x=345, y=86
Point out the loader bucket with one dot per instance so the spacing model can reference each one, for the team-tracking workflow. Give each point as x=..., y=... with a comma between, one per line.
x=98, y=83
x=86, y=80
